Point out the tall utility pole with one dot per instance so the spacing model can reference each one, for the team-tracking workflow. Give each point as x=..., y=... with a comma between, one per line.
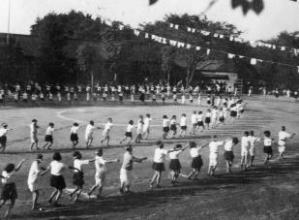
x=8, y=22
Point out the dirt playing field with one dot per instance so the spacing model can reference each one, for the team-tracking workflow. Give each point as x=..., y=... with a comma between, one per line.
x=259, y=193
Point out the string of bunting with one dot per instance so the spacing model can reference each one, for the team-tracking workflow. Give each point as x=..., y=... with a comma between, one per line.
x=188, y=46
x=233, y=38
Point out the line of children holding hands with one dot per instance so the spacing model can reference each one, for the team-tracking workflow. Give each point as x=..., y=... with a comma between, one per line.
x=56, y=167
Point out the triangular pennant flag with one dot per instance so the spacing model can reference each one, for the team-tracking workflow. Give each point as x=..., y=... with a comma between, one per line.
x=253, y=61
x=208, y=51
x=137, y=33
x=216, y=35
x=283, y=48
x=241, y=57
x=230, y=55
x=173, y=42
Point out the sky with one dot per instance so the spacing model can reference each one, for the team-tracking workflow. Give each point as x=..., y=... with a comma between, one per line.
x=278, y=15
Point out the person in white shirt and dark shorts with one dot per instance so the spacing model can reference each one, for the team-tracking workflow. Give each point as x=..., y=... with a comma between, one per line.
x=74, y=134
x=197, y=162
x=49, y=136
x=158, y=163
x=128, y=135
x=175, y=165
x=78, y=175
x=9, y=189
x=57, y=181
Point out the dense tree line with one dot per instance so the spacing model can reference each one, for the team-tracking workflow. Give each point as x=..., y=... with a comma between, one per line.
x=75, y=48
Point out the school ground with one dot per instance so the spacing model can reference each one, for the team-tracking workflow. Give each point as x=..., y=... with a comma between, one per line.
x=259, y=193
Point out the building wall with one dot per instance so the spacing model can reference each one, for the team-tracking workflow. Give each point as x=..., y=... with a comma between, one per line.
x=218, y=76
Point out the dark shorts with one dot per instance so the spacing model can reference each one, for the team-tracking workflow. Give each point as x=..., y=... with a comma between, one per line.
x=166, y=129
x=175, y=165
x=173, y=127
x=3, y=140
x=78, y=179
x=74, y=137
x=197, y=163
x=221, y=119
x=229, y=155
x=268, y=150
x=184, y=128
x=57, y=182
x=158, y=167
x=9, y=192
x=208, y=120
x=233, y=114
x=128, y=134
x=200, y=124
x=49, y=138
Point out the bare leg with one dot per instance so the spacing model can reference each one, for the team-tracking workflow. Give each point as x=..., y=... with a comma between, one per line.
x=53, y=195
x=35, y=196
x=10, y=207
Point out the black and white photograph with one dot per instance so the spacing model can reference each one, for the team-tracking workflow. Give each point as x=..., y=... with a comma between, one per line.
x=149, y=109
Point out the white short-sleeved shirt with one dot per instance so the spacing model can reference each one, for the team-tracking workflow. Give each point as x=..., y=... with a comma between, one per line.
x=214, y=145
x=33, y=129
x=194, y=152
x=127, y=161
x=147, y=122
x=6, y=177
x=200, y=117
x=129, y=128
x=175, y=154
x=282, y=137
x=33, y=172
x=173, y=122
x=183, y=121
x=267, y=142
x=89, y=130
x=3, y=131
x=245, y=142
x=193, y=119
x=228, y=146
x=208, y=115
x=214, y=113
x=108, y=126
x=139, y=126
x=252, y=140
x=79, y=163
x=100, y=164
x=49, y=131
x=74, y=129
x=56, y=168
x=160, y=155
x=165, y=122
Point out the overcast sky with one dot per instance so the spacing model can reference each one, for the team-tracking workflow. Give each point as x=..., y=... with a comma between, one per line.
x=278, y=15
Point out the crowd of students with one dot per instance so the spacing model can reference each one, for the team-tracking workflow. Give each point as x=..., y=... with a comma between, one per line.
x=222, y=110
x=56, y=168
x=35, y=93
